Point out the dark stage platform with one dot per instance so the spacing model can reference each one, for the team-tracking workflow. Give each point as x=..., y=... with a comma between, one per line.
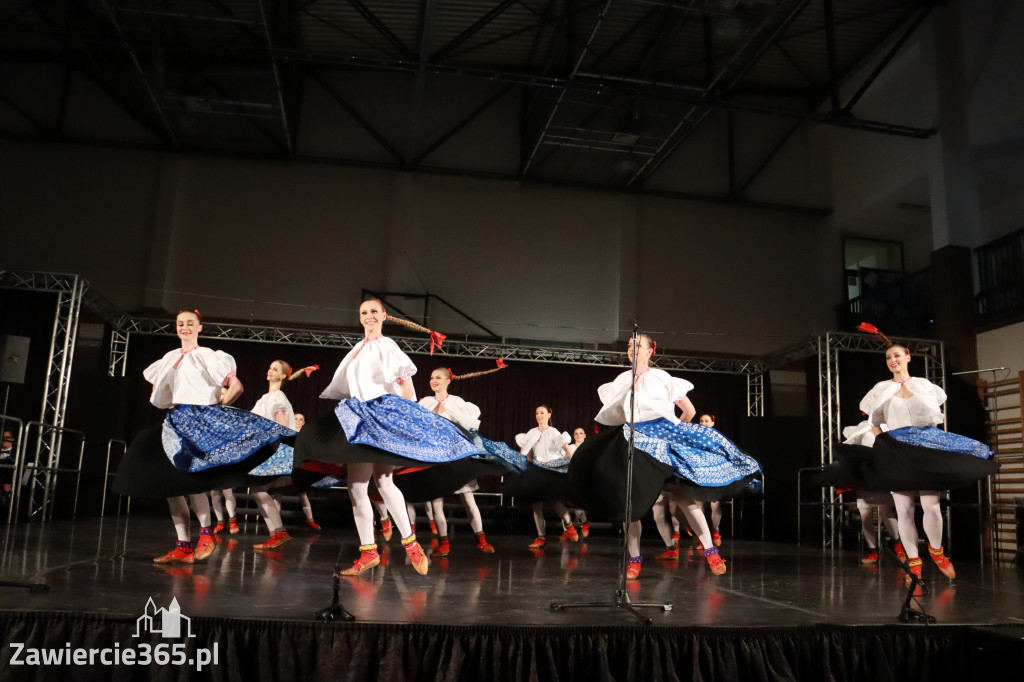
x=781, y=612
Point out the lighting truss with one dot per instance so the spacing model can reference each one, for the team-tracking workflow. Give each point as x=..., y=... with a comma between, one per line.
x=69, y=290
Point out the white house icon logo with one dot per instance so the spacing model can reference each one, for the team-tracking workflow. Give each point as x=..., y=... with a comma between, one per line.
x=166, y=622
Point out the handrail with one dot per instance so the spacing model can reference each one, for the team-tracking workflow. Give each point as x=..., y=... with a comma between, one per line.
x=49, y=471
x=106, y=479
x=19, y=448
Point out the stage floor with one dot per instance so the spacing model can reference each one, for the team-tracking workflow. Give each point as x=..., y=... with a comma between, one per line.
x=105, y=567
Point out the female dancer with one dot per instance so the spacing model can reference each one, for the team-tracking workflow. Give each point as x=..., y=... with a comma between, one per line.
x=377, y=426
x=275, y=405
x=466, y=415
x=708, y=420
x=909, y=455
x=704, y=464
x=307, y=507
x=545, y=446
x=221, y=500
x=201, y=445
x=868, y=501
x=579, y=434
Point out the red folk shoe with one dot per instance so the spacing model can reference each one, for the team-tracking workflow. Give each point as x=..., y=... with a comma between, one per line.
x=539, y=542
x=870, y=558
x=716, y=539
x=385, y=528
x=633, y=570
x=900, y=553
x=416, y=556
x=206, y=544
x=570, y=534
x=274, y=541
x=585, y=529
x=715, y=561
x=915, y=567
x=670, y=553
x=233, y=526
x=944, y=564
x=444, y=547
x=368, y=558
x=182, y=553
x=482, y=543
x=219, y=528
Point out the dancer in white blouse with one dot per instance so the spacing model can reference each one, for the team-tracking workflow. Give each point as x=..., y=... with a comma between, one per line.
x=274, y=405
x=377, y=426
x=545, y=445
x=910, y=456
x=701, y=462
x=466, y=415
x=201, y=445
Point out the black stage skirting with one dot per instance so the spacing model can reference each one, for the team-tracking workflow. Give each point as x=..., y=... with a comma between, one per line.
x=292, y=650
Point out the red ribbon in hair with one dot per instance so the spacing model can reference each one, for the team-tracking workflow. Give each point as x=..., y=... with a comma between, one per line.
x=289, y=372
x=310, y=370
x=501, y=363
x=438, y=338
x=867, y=327
x=195, y=312
x=654, y=346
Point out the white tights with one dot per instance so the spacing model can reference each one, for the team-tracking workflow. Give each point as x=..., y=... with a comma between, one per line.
x=538, y=516
x=359, y=475
x=473, y=511
x=904, y=503
x=180, y=516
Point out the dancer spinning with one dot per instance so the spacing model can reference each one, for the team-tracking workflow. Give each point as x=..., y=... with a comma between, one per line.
x=274, y=405
x=307, y=507
x=201, y=444
x=702, y=463
x=466, y=415
x=377, y=426
x=547, y=449
x=909, y=455
x=868, y=501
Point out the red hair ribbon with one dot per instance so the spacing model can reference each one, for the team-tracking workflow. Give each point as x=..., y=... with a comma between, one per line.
x=310, y=370
x=867, y=327
x=654, y=346
x=438, y=338
x=501, y=363
x=451, y=374
x=195, y=312
x=289, y=372
x=595, y=428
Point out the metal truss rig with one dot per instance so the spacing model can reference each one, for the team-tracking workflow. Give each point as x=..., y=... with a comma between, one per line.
x=452, y=347
x=69, y=290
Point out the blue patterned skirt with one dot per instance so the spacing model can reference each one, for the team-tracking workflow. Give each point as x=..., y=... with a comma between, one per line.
x=199, y=437
x=279, y=464
x=700, y=455
x=146, y=469
x=385, y=430
x=701, y=461
x=910, y=459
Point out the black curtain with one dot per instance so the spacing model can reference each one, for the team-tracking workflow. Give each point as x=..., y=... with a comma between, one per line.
x=289, y=650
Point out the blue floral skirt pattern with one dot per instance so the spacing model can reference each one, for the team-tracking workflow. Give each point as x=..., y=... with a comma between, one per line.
x=279, y=464
x=936, y=438
x=326, y=483
x=404, y=428
x=200, y=437
x=698, y=454
x=508, y=456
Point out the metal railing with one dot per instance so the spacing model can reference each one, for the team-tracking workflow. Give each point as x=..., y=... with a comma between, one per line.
x=44, y=478
x=107, y=475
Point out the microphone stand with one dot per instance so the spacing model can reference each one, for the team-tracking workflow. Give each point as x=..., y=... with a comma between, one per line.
x=335, y=611
x=908, y=614
x=621, y=599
